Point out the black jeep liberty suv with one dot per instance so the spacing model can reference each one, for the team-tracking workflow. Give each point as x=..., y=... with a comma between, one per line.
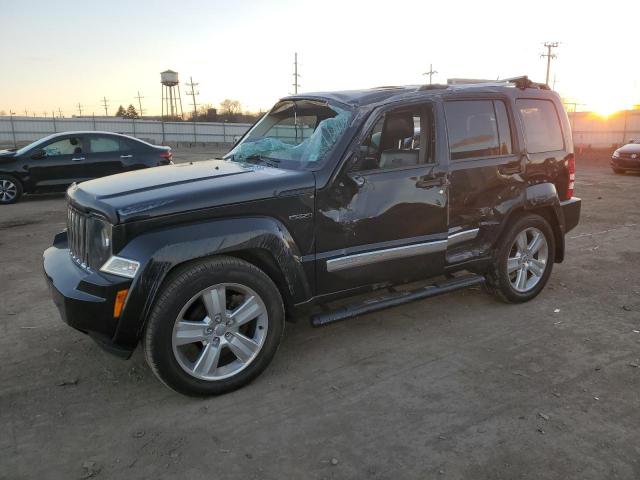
x=326, y=196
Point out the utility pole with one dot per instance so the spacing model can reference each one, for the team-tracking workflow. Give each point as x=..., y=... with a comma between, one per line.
x=549, y=55
x=105, y=104
x=193, y=94
x=26, y=113
x=60, y=112
x=296, y=85
x=431, y=73
x=139, y=97
x=79, y=105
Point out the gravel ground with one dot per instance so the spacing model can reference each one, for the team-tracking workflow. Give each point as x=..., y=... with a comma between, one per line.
x=459, y=386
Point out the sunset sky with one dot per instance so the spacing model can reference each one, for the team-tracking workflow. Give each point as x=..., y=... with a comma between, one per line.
x=56, y=54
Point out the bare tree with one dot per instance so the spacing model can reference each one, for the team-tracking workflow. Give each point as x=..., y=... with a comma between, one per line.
x=230, y=107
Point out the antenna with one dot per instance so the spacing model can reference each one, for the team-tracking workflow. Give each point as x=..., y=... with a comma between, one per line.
x=431, y=73
x=549, y=55
x=296, y=85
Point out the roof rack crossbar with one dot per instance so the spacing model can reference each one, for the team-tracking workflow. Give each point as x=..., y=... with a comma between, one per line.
x=520, y=82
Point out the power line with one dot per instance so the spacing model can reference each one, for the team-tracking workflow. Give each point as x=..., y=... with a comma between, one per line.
x=106, y=105
x=139, y=97
x=193, y=94
x=296, y=85
x=549, y=55
x=431, y=73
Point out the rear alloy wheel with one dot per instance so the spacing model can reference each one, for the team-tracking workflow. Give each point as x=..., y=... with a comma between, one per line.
x=10, y=189
x=524, y=260
x=215, y=326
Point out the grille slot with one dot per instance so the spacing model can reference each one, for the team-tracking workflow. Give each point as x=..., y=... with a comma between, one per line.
x=77, y=236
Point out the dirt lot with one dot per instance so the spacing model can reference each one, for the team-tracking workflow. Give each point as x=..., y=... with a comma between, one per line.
x=459, y=386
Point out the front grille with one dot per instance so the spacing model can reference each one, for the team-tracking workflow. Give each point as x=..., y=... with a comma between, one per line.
x=77, y=236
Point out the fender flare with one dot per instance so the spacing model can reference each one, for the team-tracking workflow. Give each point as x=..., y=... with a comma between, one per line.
x=160, y=251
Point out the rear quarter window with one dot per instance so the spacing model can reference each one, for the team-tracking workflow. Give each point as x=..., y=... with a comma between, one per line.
x=542, y=131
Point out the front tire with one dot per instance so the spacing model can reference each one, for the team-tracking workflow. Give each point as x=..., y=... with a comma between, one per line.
x=618, y=171
x=215, y=327
x=10, y=190
x=524, y=260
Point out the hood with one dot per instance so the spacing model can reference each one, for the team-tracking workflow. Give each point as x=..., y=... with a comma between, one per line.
x=4, y=154
x=183, y=187
x=630, y=148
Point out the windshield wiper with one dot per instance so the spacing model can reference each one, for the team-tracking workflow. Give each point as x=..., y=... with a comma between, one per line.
x=259, y=159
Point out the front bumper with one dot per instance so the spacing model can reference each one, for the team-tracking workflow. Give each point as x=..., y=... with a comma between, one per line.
x=571, y=213
x=628, y=164
x=84, y=298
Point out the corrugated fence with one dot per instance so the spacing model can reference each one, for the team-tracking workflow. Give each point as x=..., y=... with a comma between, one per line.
x=589, y=129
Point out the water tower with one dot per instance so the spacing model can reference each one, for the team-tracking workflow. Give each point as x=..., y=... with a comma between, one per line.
x=170, y=94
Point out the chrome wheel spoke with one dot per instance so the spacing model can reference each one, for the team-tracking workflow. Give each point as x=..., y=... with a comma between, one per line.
x=536, y=267
x=513, y=264
x=536, y=243
x=242, y=347
x=207, y=363
x=521, y=242
x=521, y=278
x=215, y=301
x=189, y=332
x=246, y=312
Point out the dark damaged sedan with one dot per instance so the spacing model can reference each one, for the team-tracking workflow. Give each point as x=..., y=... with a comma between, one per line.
x=627, y=158
x=327, y=196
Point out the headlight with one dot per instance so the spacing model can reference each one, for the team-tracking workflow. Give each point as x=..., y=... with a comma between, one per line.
x=616, y=154
x=98, y=241
x=121, y=266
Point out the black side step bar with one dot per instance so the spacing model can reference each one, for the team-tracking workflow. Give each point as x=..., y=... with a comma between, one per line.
x=394, y=299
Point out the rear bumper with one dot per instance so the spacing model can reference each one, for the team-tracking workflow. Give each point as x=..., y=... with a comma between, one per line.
x=571, y=213
x=84, y=299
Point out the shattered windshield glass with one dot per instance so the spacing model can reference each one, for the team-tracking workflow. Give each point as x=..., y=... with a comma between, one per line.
x=300, y=131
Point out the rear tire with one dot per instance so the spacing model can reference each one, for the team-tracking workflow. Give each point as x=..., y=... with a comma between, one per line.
x=10, y=190
x=524, y=260
x=215, y=326
x=618, y=171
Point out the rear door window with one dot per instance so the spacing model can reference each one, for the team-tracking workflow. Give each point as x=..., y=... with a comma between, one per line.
x=542, y=131
x=104, y=144
x=477, y=128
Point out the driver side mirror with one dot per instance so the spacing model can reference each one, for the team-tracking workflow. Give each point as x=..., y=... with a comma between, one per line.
x=38, y=154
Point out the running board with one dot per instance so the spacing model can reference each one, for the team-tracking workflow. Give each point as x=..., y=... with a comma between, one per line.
x=394, y=299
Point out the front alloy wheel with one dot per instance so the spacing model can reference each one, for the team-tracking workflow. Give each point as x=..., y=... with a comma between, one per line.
x=10, y=190
x=220, y=331
x=214, y=327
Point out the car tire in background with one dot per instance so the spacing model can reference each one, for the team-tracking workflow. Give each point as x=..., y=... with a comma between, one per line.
x=618, y=171
x=10, y=189
x=524, y=260
x=216, y=325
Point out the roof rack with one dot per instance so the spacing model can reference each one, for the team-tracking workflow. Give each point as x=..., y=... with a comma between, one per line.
x=521, y=82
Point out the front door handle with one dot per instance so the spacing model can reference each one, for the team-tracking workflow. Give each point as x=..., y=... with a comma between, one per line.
x=77, y=159
x=126, y=156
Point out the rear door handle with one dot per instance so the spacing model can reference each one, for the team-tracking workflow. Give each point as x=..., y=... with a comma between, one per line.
x=77, y=159
x=126, y=156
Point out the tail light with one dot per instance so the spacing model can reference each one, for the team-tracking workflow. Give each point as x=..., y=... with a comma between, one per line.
x=167, y=155
x=571, y=168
